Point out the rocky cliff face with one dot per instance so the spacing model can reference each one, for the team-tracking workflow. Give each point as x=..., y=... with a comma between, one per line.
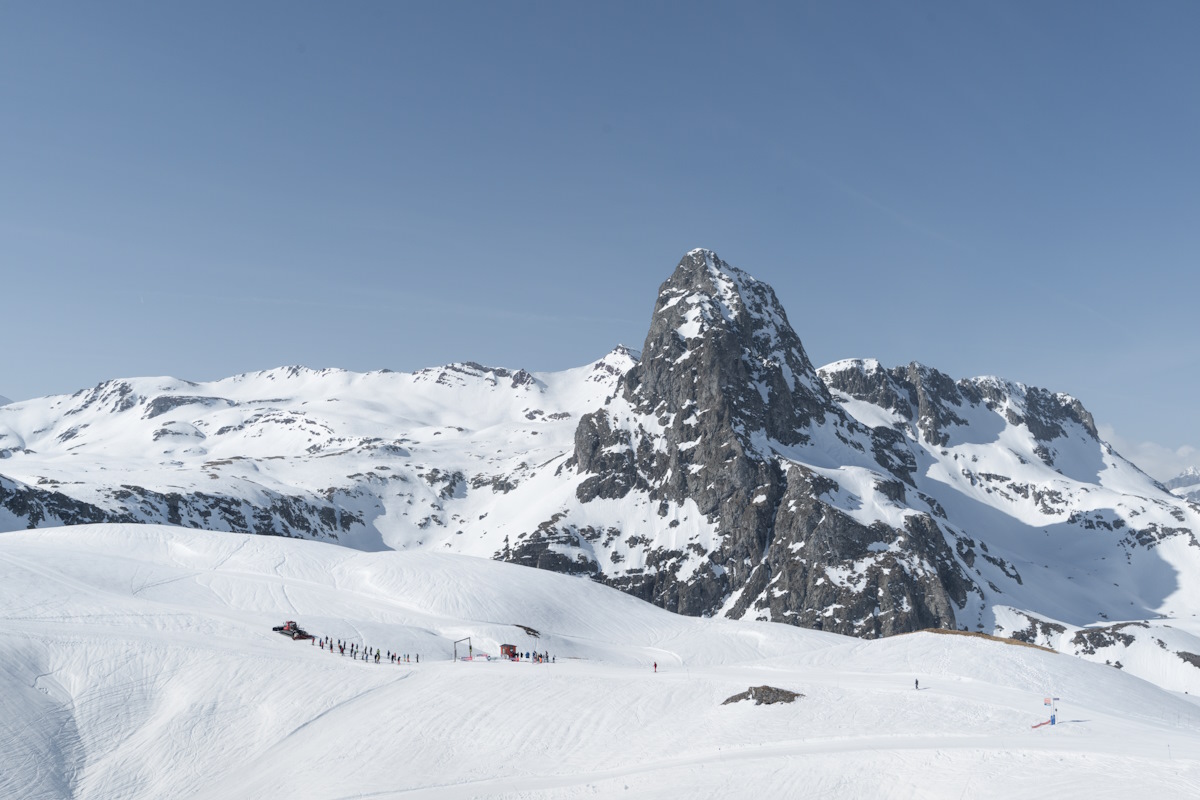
x=33, y=507
x=723, y=392
x=932, y=404
x=857, y=499
x=271, y=515
x=721, y=370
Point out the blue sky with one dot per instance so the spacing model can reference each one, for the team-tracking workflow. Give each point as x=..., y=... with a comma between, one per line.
x=199, y=190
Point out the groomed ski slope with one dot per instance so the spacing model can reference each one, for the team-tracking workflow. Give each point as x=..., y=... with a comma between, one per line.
x=139, y=662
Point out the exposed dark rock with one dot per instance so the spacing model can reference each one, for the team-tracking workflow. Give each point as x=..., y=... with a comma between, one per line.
x=502, y=484
x=560, y=548
x=42, y=507
x=276, y=514
x=1047, y=412
x=70, y=433
x=1039, y=630
x=161, y=405
x=116, y=396
x=722, y=384
x=1089, y=640
x=452, y=484
x=764, y=695
x=931, y=401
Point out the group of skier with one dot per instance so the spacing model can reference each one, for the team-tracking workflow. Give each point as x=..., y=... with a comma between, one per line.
x=362, y=653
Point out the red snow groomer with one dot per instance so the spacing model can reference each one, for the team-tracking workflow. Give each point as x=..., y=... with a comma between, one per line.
x=290, y=628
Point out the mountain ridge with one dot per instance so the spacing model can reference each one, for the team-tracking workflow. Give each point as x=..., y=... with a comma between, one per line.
x=720, y=473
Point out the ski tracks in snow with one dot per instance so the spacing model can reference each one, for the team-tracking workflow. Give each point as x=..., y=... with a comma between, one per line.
x=933, y=749
x=225, y=559
x=342, y=715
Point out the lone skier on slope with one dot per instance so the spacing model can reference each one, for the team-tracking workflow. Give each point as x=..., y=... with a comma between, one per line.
x=917, y=684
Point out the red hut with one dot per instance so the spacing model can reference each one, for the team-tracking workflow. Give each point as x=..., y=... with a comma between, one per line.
x=508, y=651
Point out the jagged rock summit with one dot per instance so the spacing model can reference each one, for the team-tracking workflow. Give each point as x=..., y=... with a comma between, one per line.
x=723, y=395
x=716, y=472
x=720, y=339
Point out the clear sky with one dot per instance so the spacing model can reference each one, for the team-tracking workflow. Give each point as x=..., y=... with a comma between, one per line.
x=203, y=189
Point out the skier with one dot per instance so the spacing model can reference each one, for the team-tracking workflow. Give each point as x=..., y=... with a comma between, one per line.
x=917, y=684
x=656, y=666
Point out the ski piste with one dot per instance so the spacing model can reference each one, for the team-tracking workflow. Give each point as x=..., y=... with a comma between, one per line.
x=131, y=649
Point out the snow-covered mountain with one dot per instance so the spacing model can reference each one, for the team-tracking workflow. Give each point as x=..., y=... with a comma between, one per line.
x=1186, y=484
x=375, y=461
x=138, y=662
x=717, y=472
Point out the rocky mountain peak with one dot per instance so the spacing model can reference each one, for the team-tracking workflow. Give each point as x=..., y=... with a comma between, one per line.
x=1188, y=478
x=720, y=341
x=722, y=385
x=613, y=365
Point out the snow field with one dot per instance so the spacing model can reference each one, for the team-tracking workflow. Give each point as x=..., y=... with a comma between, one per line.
x=138, y=662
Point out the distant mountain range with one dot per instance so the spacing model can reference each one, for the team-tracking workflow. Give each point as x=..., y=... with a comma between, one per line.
x=715, y=472
x=1186, y=484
